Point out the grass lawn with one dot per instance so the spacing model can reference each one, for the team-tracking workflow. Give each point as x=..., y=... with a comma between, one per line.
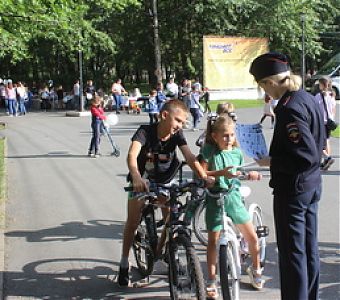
x=336, y=133
x=238, y=103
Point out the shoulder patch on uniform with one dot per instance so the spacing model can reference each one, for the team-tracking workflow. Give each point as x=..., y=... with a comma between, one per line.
x=293, y=132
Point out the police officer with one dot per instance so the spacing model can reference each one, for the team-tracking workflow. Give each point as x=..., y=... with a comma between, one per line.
x=294, y=160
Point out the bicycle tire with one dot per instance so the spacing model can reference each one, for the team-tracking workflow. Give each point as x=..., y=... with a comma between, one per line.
x=258, y=222
x=144, y=243
x=185, y=274
x=230, y=284
x=199, y=224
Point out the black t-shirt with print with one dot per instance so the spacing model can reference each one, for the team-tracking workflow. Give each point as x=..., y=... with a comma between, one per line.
x=157, y=158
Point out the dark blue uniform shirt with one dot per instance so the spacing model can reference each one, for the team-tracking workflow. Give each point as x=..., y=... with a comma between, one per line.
x=297, y=144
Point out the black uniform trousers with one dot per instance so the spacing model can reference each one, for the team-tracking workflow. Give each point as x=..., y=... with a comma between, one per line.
x=296, y=223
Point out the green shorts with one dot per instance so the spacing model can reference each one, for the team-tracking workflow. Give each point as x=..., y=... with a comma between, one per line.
x=234, y=207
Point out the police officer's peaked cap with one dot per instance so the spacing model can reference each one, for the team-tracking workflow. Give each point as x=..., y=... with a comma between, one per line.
x=269, y=64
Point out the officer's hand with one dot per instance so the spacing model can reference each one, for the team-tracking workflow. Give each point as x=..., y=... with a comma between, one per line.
x=253, y=175
x=264, y=161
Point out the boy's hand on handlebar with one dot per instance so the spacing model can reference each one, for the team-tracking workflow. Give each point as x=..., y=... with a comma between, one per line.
x=140, y=185
x=209, y=181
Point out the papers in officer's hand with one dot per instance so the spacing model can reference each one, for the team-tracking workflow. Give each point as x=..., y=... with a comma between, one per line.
x=251, y=140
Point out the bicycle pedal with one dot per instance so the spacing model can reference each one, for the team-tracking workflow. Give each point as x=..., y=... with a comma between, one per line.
x=262, y=231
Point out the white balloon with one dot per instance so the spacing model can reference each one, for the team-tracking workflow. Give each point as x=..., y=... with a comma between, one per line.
x=112, y=119
x=245, y=191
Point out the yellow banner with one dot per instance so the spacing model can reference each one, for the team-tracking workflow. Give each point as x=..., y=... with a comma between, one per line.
x=226, y=61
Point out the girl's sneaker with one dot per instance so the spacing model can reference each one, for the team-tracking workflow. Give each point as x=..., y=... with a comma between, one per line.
x=255, y=277
x=212, y=292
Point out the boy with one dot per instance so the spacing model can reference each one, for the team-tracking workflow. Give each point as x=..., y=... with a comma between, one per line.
x=156, y=143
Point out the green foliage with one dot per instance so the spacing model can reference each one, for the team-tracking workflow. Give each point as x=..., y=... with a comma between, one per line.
x=116, y=37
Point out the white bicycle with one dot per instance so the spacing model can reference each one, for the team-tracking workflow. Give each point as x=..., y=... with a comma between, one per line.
x=233, y=249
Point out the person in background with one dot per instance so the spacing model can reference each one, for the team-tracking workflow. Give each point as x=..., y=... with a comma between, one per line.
x=153, y=107
x=60, y=96
x=161, y=98
x=90, y=92
x=3, y=101
x=195, y=109
x=294, y=159
x=326, y=98
x=171, y=88
x=97, y=117
x=268, y=110
x=76, y=94
x=11, y=99
x=206, y=99
x=198, y=85
x=117, y=91
x=21, y=95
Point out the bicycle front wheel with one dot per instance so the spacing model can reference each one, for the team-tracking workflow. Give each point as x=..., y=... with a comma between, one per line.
x=199, y=224
x=144, y=243
x=230, y=284
x=185, y=274
x=257, y=221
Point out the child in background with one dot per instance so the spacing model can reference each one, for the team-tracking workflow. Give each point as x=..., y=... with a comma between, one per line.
x=153, y=107
x=268, y=110
x=98, y=116
x=220, y=157
x=195, y=107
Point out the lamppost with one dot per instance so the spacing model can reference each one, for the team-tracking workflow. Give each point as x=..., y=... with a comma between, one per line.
x=80, y=57
x=303, y=62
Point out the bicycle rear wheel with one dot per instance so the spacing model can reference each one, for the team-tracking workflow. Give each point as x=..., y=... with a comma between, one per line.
x=199, y=224
x=185, y=274
x=230, y=283
x=144, y=243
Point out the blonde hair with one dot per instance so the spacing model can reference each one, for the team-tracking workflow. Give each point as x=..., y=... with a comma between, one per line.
x=225, y=108
x=286, y=79
x=218, y=124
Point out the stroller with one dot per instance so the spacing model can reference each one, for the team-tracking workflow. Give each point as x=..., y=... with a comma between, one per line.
x=111, y=120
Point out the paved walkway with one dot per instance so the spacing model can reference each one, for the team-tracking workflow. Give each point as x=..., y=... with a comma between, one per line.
x=65, y=213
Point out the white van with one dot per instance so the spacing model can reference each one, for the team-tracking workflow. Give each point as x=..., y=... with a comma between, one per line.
x=331, y=69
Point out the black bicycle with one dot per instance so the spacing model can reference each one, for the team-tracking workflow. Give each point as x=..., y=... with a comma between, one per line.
x=185, y=273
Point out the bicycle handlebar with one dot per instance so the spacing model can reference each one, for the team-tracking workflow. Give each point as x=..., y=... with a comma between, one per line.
x=181, y=187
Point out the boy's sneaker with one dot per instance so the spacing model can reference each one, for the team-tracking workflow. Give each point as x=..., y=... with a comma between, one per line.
x=255, y=277
x=123, y=276
x=327, y=163
x=89, y=154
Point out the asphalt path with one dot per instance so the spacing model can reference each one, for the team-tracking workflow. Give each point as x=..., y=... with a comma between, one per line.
x=65, y=213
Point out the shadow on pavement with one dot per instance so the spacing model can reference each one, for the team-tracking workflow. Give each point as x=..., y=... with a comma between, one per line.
x=101, y=229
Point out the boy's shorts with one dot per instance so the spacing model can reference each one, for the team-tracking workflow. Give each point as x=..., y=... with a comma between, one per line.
x=234, y=207
x=160, y=191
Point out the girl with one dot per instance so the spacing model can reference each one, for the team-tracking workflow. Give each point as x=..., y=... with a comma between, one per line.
x=268, y=110
x=220, y=157
x=326, y=99
x=222, y=108
x=98, y=116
